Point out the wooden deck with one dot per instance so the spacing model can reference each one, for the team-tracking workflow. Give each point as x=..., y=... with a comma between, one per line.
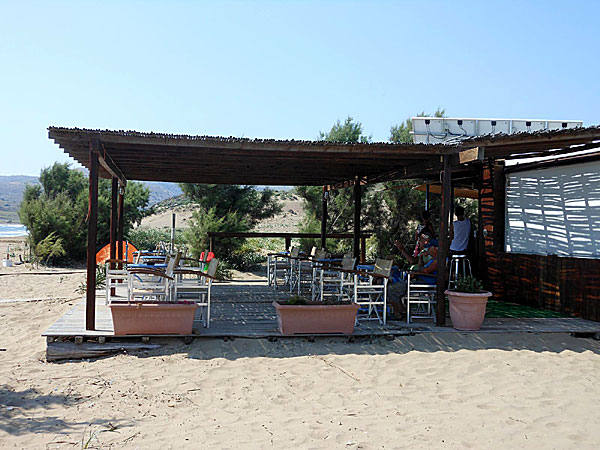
x=243, y=309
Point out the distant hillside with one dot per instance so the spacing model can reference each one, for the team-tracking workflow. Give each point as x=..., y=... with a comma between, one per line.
x=13, y=186
x=11, y=193
x=160, y=191
x=288, y=220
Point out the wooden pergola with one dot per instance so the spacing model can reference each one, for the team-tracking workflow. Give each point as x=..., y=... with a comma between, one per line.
x=129, y=155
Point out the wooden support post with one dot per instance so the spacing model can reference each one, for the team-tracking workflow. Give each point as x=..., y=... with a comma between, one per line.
x=121, y=225
x=288, y=243
x=357, y=201
x=452, y=199
x=499, y=181
x=211, y=244
x=427, y=197
x=324, y=218
x=113, y=224
x=363, y=250
x=90, y=303
x=442, y=278
x=172, y=250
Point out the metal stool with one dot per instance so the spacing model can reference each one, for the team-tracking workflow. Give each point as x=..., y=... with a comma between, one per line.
x=459, y=265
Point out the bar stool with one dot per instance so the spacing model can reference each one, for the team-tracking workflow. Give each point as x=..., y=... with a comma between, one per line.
x=459, y=266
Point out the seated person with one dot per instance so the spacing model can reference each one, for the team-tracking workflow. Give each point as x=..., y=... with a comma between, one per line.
x=426, y=274
x=422, y=255
x=425, y=227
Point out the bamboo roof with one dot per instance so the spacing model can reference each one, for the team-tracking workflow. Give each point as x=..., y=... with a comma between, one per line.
x=220, y=160
x=135, y=155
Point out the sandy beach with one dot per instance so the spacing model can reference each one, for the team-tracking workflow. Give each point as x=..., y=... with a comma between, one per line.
x=425, y=391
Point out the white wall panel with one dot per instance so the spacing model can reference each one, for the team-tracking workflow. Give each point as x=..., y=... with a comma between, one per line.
x=554, y=211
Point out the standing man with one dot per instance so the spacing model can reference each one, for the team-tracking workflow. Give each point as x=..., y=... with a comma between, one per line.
x=460, y=231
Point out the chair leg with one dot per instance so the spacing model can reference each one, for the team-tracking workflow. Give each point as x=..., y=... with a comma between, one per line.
x=385, y=283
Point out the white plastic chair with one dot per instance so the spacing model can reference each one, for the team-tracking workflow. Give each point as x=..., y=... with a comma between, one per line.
x=150, y=284
x=115, y=278
x=370, y=294
x=334, y=282
x=279, y=268
x=420, y=299
x=193, y=284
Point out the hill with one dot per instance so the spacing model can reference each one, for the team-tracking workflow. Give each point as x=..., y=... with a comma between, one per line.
x=13, y=186
x=11, y=193
x=291, y=216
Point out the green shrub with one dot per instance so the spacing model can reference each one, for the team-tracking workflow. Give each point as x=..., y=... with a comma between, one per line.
x=245, y=258
x=100, y=280
x=203, y=222
x=148, y=239
x=468, y=284
x=297, y=300
x=59, y=205
x=51, y=247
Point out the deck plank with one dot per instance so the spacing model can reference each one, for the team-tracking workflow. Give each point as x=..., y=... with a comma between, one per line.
x=245, y=310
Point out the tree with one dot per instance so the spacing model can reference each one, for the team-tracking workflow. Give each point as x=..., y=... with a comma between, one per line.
x=401, y=133
x=392, y=209
x=347, y=132
x=395, y=210
x=340, y=210
x=58, y=207
x=246, y=201
x=227, y=208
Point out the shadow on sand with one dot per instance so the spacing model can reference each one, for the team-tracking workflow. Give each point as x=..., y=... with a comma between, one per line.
x=207, y=348
x=15, y=418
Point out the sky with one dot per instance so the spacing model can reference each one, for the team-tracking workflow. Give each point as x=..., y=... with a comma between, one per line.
x=285, y=69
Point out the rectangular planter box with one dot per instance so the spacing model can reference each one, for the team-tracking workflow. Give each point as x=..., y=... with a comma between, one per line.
x=153, y=318
x=316, y=319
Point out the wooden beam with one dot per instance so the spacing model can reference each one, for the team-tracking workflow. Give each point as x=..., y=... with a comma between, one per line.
x=121, y=224
x=90, y=304
x=561, y=151
x=109, y=165
x=56, y=351
x=442, y=277
x=553, y=162
x=121, y=149
x=347, y=183
x=324, y=218
x=357, y=207
x=363, y=249
x=472, y=154
x=243, y=144
x=256, y=234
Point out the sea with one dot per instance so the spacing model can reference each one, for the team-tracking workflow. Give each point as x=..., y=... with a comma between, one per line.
x=12, y=230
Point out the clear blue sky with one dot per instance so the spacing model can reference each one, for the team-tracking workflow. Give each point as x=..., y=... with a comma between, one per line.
x=285, y=69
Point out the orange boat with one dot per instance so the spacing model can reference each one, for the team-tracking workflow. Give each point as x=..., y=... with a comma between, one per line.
x=104, y=253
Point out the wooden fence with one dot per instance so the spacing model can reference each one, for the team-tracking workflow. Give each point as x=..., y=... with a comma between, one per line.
x=289, y=236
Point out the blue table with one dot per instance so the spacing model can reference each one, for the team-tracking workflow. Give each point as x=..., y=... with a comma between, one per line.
x=397, y=274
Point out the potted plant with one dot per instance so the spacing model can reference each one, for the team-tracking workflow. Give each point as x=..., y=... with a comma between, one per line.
x=138, y=317
x=468, y=302
x=300, y=316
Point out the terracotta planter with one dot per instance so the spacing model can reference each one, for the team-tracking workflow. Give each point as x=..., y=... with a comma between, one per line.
x=467, y=311
x=153, y=318
x=316, y=318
